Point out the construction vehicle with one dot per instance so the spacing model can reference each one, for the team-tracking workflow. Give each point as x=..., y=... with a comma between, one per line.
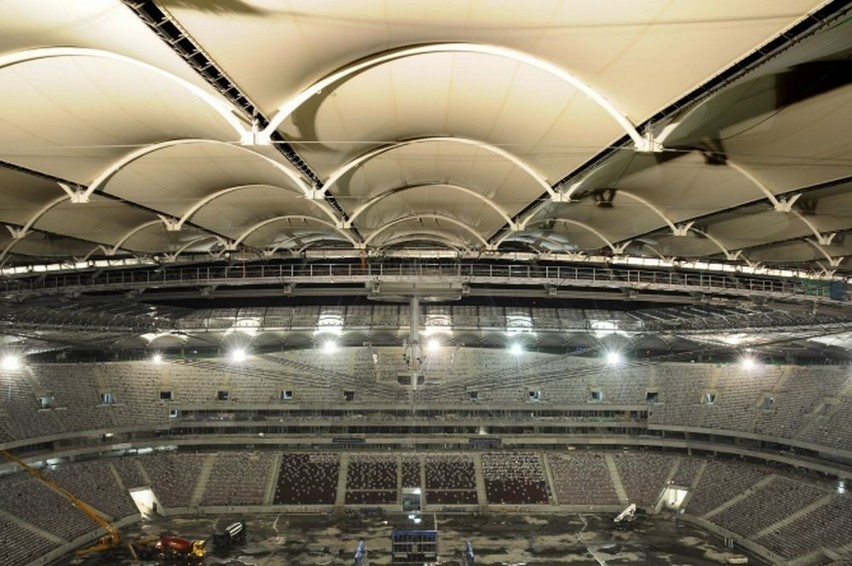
x=110, y=541
x=630, y=517
x=177, y=548
x=169, y=548
x=234, y=533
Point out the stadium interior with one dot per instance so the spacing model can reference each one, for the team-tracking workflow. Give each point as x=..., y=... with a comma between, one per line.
x=321, y=259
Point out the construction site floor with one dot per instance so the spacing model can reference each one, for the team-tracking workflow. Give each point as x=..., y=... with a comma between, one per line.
x=531, y=540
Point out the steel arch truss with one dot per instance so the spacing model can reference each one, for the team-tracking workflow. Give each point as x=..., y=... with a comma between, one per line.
x=455, y=187
x=228, y=112
x=337, y=174
x=285, y=110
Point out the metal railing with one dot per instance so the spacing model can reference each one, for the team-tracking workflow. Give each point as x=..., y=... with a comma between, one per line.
x=480, y=273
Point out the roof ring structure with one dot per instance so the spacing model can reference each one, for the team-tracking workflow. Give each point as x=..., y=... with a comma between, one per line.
x=268, y=221
x=533, y=242
x=641, y=143
x=228, y=112
x=729, y=255
x=423, y=235
x=375, y=152
x=132, y=233
x=269, y=252
x=20, y=233
x=173, y=256
x=616, y=249
x=683, y=229
x=780, y=205
x=109, y=172
x=390, y=192
x=434, y=216
x=185, y=217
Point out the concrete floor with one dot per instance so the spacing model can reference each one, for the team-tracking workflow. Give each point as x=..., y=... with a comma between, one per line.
x=532, y=540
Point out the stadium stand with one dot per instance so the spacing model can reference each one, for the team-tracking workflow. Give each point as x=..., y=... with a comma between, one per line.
x=769, y=504
x=791, y=515
x=238, y=478
x=411, y=469
x=308, y=479
x=372, y=479
x=94, y=482
x=582, y=478
x=803, y=404
x=687, y=471
x=174, y=476
x=721, y=482
x=450, y=479
x=21, y=545
x=28, y=499
x=643, y=475
x=827, y=526
x=129, y=470
x=516, y=478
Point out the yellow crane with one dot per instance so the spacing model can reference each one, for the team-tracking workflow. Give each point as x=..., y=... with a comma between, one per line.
x=111, y=540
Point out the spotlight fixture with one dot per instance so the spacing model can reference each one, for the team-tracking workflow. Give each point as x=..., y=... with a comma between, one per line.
x=238, y=355
x=329, y=347
x=157, y=358
x=10, y=362
x=516, y=349
x=613, y=358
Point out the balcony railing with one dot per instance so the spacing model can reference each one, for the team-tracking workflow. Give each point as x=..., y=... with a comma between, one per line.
x=462, y=273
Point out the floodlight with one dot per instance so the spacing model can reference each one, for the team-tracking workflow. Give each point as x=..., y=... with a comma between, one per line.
x=157, y=358
x=433, y=346
x=613, y=358
x=10, y=362
x=329, y=347
x=516, y=349
x=238, y=355
x=748, y=362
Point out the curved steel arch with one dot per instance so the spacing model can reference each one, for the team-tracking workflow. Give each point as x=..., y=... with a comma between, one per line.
x=615, y=249
x=676, y=230
x=434, y=216
x=268, y=221
x=832, y=261
x=308, y=242
x=104, y=177
x=319, y=236
x=271, y=251
x=729, y=255
x=220, y=107
x=192, y=242
x=375, y=152
x=220, y=193
x=86, y=257
x=533, y=242
x=431, y=235
x=685, y=228
x=641, y=143
x=390, y=192
x=780, y=205
x=19, y=234
x=132, y=233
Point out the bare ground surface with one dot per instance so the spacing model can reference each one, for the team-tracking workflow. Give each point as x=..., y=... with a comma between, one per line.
x=533, y=540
